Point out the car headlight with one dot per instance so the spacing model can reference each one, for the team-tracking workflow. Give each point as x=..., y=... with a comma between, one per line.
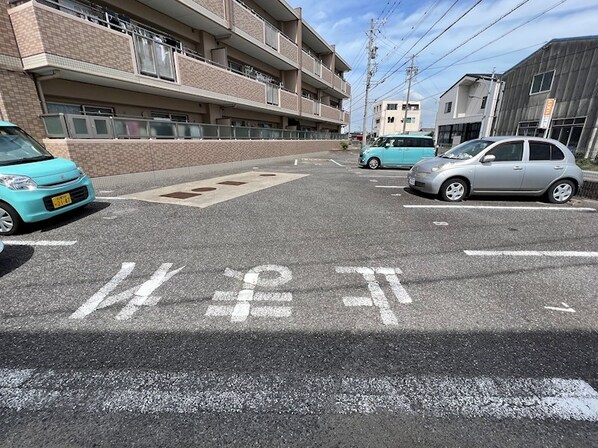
x=441, y=166
x=15, y=182
x=367, y=151
x=81, y=172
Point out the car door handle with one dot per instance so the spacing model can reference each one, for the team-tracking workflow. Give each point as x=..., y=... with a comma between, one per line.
x=558, y=167
x=517, y=168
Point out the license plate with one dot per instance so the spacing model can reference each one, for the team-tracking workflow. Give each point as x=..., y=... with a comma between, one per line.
x=62, y=200
x=411, y=181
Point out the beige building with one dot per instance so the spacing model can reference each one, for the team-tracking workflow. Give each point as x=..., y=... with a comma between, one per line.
x=389, y=115
x=145, y=85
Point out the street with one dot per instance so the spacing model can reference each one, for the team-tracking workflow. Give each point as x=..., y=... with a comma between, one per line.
x=301, y=302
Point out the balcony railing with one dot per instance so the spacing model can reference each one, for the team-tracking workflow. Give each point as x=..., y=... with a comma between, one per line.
x=107, y=127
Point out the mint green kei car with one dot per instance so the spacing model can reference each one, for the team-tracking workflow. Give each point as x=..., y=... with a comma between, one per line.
x=34, y=185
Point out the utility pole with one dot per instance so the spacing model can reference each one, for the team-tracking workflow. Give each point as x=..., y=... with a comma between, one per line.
x=370, y=72
x=411, y=72
x=485, y=130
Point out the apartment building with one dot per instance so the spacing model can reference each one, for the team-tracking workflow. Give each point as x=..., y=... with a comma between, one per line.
x=467, y=109
x=389, y=115
x=147, y=85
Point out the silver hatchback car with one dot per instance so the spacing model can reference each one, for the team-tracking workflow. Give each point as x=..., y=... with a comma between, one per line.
x=500, y=165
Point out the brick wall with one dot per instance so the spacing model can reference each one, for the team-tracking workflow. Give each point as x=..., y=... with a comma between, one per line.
x=308, y=63
x=327, y=75
x=19, y=102
x=204, y=76
x=288, y=49
x=246, y=21
x=41, y=30
x=215, y=6
x=110, y=157
x=288, y=100
x=329, y=112
x=8, y=44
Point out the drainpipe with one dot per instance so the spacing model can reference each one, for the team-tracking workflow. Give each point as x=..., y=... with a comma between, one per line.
x=38, y=86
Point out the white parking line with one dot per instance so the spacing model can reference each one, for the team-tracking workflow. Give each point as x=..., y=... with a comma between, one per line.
x=390, y=186
x=334, y=161
x=503, y=207
x=139, y=391
x=529, y=253
x=113, y=198
x=39, y=243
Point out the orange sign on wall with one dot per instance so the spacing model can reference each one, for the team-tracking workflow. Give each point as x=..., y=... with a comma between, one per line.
x=547, y=114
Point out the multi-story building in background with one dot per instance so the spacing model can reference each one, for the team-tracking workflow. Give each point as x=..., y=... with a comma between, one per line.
x=147, y=85
x=389, y=116
x=553, y=93
x=467, y=109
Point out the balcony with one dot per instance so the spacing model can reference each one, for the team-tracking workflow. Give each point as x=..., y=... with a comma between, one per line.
x=331, y=113
x=252, y=24
x=71, y=126
x=90, y=45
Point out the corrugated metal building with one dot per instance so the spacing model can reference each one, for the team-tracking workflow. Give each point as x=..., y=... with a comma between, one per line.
x=564, y=71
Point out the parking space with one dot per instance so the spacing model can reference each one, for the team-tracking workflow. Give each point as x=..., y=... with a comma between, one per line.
x=363, y=290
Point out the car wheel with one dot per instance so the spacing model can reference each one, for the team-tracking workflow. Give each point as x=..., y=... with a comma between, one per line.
x=373, y=163
x=561, y=191
x=453, y=190
x=10, y=221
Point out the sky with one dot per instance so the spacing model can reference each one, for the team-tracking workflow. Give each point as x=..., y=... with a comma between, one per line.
x=400, y=24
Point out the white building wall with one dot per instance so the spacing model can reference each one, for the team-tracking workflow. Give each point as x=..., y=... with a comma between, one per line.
x=387, y=121
x=466, y=98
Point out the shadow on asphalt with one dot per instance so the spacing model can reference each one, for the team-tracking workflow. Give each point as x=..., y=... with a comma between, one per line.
x=65, y=219
x=493, y=355
x=563, y=354
x=486, y=198
x=13, y=257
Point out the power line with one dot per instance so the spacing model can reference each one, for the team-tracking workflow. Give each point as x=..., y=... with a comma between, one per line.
x=433, y=40
x=465, y=42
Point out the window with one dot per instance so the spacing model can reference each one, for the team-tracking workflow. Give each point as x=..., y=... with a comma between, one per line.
x=391, y=106
x=508, y=152
x=542, y=82
x=235, y=66
x=390, y=119
x=410, y=120
x=530, y=128
x=539, y=151
x=568, y=131
x=544, y=151
x=377, y=121
x=448, y=107
x=76, y=109
x=170, y=116
x=411, y=106
x=484, y=100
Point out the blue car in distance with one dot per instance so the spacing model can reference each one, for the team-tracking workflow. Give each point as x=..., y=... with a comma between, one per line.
x=34, y=185
x=396, y=150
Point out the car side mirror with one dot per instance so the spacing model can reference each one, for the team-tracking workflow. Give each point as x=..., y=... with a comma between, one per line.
x=489, y=158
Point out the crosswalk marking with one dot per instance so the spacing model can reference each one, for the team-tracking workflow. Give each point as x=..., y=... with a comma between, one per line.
x=155, y=392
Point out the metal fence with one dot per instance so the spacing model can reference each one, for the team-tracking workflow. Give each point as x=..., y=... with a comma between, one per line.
x=107, y=127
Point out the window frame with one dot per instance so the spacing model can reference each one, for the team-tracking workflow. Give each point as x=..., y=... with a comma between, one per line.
x=448, y=107
x=543, y=74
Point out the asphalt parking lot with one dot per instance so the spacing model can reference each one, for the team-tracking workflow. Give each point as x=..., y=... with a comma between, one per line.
x=301, y=302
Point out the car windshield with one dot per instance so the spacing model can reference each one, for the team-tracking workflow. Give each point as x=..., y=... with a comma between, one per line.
x=377, y=142
x=17, y=147
x=467, y=150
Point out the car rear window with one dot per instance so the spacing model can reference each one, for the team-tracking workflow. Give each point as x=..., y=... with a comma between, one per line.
x=544, y=151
